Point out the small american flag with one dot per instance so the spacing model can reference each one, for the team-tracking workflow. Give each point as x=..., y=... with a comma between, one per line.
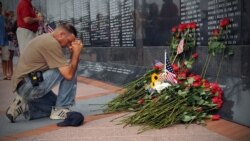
x=159, y=64
x=170, y=76
x=51, y=27
x=180, y=47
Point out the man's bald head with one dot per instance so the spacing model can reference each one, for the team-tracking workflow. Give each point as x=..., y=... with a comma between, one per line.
x=68, y=27
x=65, y=34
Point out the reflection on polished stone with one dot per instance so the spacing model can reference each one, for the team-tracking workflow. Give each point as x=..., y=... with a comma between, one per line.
x=236, y=100
x=117, y=74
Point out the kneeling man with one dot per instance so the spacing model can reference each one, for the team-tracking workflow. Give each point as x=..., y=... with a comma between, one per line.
x=42, y=66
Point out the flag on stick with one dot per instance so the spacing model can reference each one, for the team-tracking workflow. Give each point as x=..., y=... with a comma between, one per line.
x=170, y=76
x=180, y=47
x=51, y=27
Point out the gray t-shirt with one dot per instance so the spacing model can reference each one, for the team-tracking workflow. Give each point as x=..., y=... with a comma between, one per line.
x=42, y=53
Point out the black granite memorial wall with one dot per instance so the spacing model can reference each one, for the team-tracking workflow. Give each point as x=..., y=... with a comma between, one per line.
x=122, y=39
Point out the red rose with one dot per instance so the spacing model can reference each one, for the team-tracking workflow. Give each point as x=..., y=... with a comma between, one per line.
x=141, y=101
x=206, y=84
x=175, y=67
x=195, y=55
x=218, y=101
x=191, y=75
x=156, y=68
x=197, y=84
x=188, y=25
x=193, y=25
x=197, y=78
x=216, y=32
x=224, y=22
x=215, y=117
x=219, y=93
x=179, y=81
x=185, y=71
x=174, y=29
x=215, y=89
x=183, y=75
x=215, y=100
x=182, y=27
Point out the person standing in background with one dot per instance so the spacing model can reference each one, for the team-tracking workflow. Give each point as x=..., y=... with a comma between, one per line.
x=11, y=31
x=27, y=23
x=4, y=44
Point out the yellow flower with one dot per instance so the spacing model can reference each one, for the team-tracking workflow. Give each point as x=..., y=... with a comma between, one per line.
x=154, y=77
x=152, y=85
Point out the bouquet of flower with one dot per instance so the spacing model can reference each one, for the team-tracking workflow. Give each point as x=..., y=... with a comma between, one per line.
x=183, y=39
x=170, y=93
x=163, y=103
x=216, y=45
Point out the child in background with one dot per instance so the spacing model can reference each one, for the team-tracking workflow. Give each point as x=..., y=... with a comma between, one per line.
x=12, y=39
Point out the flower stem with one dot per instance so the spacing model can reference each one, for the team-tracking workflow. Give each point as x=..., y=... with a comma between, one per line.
x=205, y=71
x=174, y=58
x=221, y=60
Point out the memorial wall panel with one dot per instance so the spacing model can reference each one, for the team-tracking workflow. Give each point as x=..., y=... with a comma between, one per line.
x=159, y=16
x=245, y=22
x=219, y=9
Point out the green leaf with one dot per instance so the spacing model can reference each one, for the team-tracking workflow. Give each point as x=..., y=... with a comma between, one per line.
x=203, y=93
x=186, y=118
x=166, y=97
x=131, y=109
x=182, y=93
x=189, y=66
x=203, y=115
x=197, y=98
x=201, y=102
x=190, y=80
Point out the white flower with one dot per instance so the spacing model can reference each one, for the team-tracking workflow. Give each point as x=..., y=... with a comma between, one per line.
x=160, y=86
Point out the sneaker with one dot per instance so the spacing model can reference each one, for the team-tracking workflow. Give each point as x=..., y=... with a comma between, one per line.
x=59, y=113
x=16, y=108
